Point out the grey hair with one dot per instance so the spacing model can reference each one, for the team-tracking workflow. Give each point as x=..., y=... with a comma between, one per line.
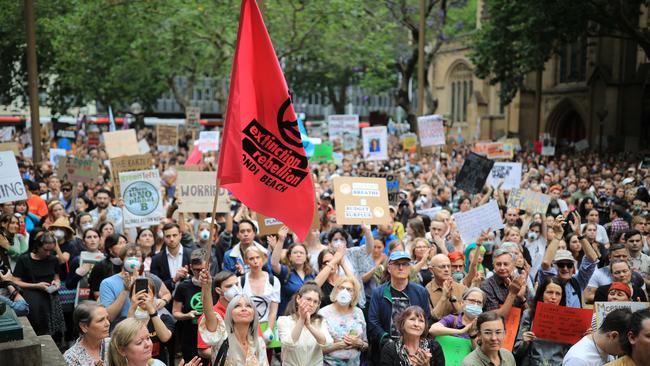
x=501, y=251
x=83, y=313
x=235, y=351
x=472, y=290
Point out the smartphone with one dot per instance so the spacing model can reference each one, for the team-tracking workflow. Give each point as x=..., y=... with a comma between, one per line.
x=141, y=283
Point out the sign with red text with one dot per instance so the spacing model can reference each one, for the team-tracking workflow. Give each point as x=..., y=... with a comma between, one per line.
x=431, y=130
x=561, y=324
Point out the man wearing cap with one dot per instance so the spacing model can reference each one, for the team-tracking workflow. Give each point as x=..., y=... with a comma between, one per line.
x=564, y=265
x=391, y=298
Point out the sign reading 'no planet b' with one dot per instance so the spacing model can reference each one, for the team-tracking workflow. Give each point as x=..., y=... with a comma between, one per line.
x=142, y=200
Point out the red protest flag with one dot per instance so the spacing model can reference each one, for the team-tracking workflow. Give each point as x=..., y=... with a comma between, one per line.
x=262, y=160
x=195, y=157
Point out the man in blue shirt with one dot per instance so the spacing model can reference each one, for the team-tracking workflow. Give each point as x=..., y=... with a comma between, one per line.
x=384, y=233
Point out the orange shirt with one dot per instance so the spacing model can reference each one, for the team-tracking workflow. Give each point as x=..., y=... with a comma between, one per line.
x=37, y=205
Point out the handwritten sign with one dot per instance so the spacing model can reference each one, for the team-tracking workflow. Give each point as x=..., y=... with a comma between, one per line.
x=528, y=200
x=473, y=173
x=323, y=152
x=77, y=170
x=167, y=137
x=431, y=129
x=120, y=143
x=509, y=173
x=361, y=200
x=11, y=183
x=143, y=146
x=127, y=164
x=496, y=150
x=193, y=115
x=375, y=143
x=142, y=199
x=471, y=223
x=392, y=183
x=560, y=323
x=409, y=142
x=454, y=348
x=208, y=141
x=197, y=190
x=56, y=155
x=603, y=308
x=512, y=322
x=270, y=226
x=340, y=124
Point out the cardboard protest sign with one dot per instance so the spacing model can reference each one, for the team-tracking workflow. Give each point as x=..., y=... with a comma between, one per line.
x=120, y=143
x=528, y=200
x=323, y=152
x=78, y=170
x=603, y=308
x=197, y=190
x=340, y=124
x=454, y=348
x=127, y=164
x=471, y=223
x=56, y=155
x=166, y=137
x=270, y=226
x=496, y=150
x=208, y=141
x=375, y=143
x=509, y=173
x=473, y=173
x=392, y=183
x=409, y=142
x=561, y=324
x=142, y=199
x=431, y=129
x=511, y=321
x=193, y=115
x=11, y=183
x=10, y=146
x=361, y=200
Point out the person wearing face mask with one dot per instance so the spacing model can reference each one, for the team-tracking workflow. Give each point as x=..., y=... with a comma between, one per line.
x=462, y=325
x=535, y=242
x=111, y=264
x=115, y=290
x=67, y=246
x=207, y=232
x=345, y=323
x=78, y=272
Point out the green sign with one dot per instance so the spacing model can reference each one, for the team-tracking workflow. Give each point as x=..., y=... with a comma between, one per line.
x=455, y=349
x=323, y=152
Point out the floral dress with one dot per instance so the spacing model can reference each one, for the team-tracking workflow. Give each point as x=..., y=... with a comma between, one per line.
x=340, y=325
x=78, y=356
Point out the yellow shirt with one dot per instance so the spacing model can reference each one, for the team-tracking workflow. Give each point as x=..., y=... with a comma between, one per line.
x=623, y=361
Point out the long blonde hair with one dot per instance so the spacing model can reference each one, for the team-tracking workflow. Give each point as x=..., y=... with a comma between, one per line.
x=122, y=335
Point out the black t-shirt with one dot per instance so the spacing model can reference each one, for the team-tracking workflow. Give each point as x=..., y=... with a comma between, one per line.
x=35, y=271
x=400, y=302
x=101, y=271
x=189, y=295
x=327, y=291
x=73, y=247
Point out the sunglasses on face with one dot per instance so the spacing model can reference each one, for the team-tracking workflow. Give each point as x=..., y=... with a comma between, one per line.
x=568, y=265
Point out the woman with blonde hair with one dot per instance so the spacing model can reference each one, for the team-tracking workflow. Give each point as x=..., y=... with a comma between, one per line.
x=131, y=345
x=345, y=323
x=235, y=339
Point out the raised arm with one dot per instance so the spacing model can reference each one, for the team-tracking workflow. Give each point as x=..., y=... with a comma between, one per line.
x=551, y=249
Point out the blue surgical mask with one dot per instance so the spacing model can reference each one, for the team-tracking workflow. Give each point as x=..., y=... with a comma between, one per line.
x=458, y=276
x=204, y=235
x=473, y=310
x=532, y=235
x=337, y=243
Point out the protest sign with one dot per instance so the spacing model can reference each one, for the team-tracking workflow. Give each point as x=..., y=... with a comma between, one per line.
x=392, y=183
x=481, y=147
x=349, y=142
x=270, y=226
x=431, y=212
x=601, y=309
x=120, y=143
x=167, y=137
x=496, y=150
x=6, y=133
x=193, y=115
x=56, y=155
x=511, y=321
x=473, y=173
x=197, y=190
x=409, y=142
x=512, y=144
x=561, y=324
x=69, y=134
x=127, y=164
x=375, y=143
x=143, y=146
x=11, y=183
x=548, y=144
x=323, y=152
x=208, y=141
x=10, y=146
x=454, y=348
x=431, y=129
x=509, y=173
x=140, y=191
x=78, y=170
x=28, y=152
x=361, y=200
x=471, y=223
x=339, y=124
x=530, y=201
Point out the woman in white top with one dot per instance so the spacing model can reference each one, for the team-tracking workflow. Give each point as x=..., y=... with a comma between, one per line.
x=234, y=340
x=346, y=324
x=302, y=332
x=263, y=288
x=593, y=217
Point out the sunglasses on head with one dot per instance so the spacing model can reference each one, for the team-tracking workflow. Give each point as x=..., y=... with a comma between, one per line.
x=564, y=264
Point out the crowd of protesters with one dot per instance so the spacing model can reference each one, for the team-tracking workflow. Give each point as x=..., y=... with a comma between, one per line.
x=348, y=294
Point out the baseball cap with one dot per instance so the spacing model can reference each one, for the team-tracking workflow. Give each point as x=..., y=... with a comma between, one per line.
x=397, y=255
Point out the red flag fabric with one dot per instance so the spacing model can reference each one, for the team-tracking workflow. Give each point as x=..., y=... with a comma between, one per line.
x=262, y=160
x=195, y=157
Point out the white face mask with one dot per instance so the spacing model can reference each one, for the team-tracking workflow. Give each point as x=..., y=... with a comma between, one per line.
x=232, y=292
x=532, y=235
x=86, y=226
x=337, y=243
x=59, y=234
x=204, y=235
x=344, y=297
x=116, y=261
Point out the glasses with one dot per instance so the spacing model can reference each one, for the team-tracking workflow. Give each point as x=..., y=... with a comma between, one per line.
x=475, y=302
x=564, y=265
x=400, y=264
x=197, y=269
x=443, y=266
x=66, y=189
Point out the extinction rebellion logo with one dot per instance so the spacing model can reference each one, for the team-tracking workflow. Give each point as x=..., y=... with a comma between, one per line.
x=283, y=167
